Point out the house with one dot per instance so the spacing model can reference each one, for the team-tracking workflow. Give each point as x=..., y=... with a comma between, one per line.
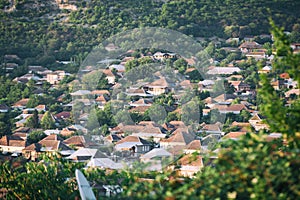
x=257, y=122
x=278, y=84
x=119, y=68
x=40, y=108
x=22, y=119
x=186, y=84
x=209, y=102
x=85, y=154
x=62, y=115
x=78, y=127
x=11, y=66
x=177, y=124
x=36, y=69
x=23, y=130
x=133, y=144
x=224, y=99
x=156, y=159
x=101, y=101
x=265, y=70
x=292, y=91
x=10, y=57
x=210, y=140
x=234, y=135
x=295, y=47
x=158, y=87
x=192, y=147
x=284, y=76
x=290, y=83
x=110, y=76
x=242, y=126
x=21, y=104
x=206, y=85
x=4, y=108
x=121, y=129
x=100, y=92
x=235, y=109
x=162, y=56
x=179, y=138
x=235, y=77
x=67, y=131
x=32, y=152
x=139, y=109
x=188, y=165
x=55, y=77
x=141, y=102
x=81, y=93
x=12, y=144
x=126, y=59
x=211, y=129
x=274, y=136
x=150, y=132
x=25, y=78
x=104, y=163
x=113, y=138
x=52, y=131
x=139, y=92
x=240, y=86
x=168, y=127
x=52, y=144
x=257, y=55
x=249, y=47
x=223, y=70
x=156, y=153
x=78, y=141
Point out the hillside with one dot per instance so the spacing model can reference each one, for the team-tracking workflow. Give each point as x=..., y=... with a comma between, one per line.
x=43, y=32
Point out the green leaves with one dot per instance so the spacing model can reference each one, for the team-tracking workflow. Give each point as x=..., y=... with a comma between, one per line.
x=51, y=178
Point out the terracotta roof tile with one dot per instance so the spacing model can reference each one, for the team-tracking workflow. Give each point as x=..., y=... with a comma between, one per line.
x=133, y=139
x=180, y=137
x=234, y=135
x=77, y=140
x=191, y=160
x=194, y=145
x=53, y=137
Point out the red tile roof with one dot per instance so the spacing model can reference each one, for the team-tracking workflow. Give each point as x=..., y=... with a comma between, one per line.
x=234, y=135
x=194, y=145
x=191, y=160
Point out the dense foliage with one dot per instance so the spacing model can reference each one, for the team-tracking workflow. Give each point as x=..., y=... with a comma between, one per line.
x=44, y=33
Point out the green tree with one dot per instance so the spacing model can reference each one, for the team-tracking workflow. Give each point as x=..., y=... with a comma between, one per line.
x=92, y=122
x=33, y=121
x=35, y=136
x=181, y=65
x=47, y=121
x=53, y=178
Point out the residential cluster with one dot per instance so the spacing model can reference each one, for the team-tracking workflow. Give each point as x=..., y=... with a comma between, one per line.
x=227, y=109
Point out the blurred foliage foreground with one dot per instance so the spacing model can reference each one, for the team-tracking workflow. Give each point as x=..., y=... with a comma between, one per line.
x=250, y=168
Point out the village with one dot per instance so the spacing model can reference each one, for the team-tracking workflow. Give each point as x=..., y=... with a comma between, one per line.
x=114, y=141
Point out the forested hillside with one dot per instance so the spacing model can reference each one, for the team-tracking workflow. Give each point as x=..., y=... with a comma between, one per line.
x=42, y=32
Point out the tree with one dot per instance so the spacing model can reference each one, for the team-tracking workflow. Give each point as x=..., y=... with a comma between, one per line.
x=33, y=121
x=92, y=122
x=35, y=136
x=47, y=121
x=285, y=120
x=245, y=115
x=181, y=65
x=157, y=113
x=192, y=112
x=52, y=178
